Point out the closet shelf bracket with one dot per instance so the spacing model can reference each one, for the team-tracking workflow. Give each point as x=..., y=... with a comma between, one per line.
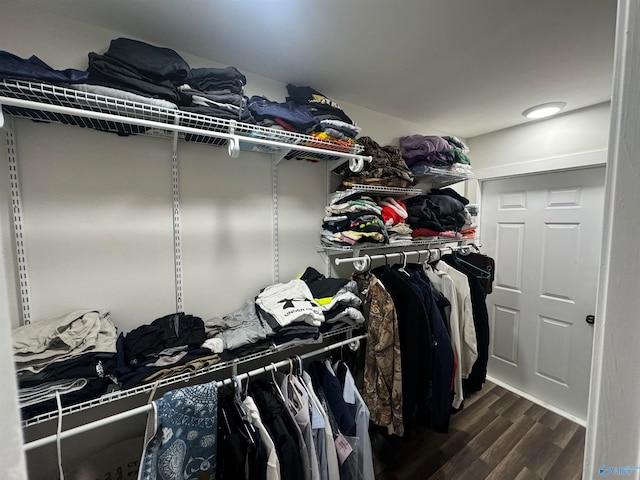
x=279, y=156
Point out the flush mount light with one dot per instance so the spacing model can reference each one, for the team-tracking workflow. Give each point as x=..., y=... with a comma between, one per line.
x=544, y=110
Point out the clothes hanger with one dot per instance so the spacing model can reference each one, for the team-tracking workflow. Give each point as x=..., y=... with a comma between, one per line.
x=403, y=268
x=247, y=427
x=246, y=386
x=475, y=270
x=274, y=384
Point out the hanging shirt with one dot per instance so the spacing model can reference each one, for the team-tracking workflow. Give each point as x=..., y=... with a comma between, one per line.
x=382, y=390
x=468, y=342
x=181, y=435
x=273, y=463
x=297, y=400
x=352, y=397
x=444, y=283
x=333, y=469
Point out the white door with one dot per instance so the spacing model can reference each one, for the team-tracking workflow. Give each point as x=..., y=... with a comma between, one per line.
x=544, y=232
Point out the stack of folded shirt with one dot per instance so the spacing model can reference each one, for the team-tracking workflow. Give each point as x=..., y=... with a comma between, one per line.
x=170, y=345
x=387, y=167
x=422, y=152
x=217, y=92
x=394, y=214
x=439, y=213
x=291, y=312
x=34, y=69
x=140, y=68
x=285, y=115
x=238, y=333
x=338, y=299
x=353, y=219
x=71, y=354
x=306, y=111
x=333, y=123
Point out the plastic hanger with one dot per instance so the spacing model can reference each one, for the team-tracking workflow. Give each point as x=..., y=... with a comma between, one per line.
x=477, y=271
x=247, y=426
x=403, y=268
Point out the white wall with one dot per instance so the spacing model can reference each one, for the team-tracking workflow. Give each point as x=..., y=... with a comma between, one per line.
x=573, y=140
x=579, y=131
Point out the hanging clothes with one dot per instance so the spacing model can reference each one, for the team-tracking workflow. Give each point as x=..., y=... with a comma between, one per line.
x=296, y=399
x=241, y=451
x=333, y=468
x=443, y=358
x=181, y=435
x=416, y=343
x=354, y=400
x=273, y=463
x=276, y=417
x=382, y=390
x=478, y=373
x=455, y=287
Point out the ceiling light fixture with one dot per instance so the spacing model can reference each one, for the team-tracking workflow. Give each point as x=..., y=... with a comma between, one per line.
x=544, y=110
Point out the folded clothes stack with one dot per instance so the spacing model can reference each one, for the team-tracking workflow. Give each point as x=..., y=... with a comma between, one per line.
x=170, y=345
x=71, y=355
x=395, y=215
x=353, y=219
x=387, y=167
x=440, y=213
x=338, y=299
x=291, y=312
x=423, y=152
x=217, y=92
x=306, y=111
x=140, y=68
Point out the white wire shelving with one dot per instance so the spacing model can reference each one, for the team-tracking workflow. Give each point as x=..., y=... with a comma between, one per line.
x=51, y=103
x=355, y=341
x=376, y=190
x=179, y=379
x=442, y=177
x=336, y=249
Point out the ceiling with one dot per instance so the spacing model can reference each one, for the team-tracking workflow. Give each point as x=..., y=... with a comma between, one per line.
x=466, y=67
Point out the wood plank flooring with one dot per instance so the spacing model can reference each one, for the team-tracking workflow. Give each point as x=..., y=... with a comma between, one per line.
x=497, y=436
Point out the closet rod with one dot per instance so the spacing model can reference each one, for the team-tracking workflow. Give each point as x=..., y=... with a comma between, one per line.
x=145, y=408
x=17, y=102
x=364, y=262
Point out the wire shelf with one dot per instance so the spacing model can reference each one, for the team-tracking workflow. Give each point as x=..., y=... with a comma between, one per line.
x=185, y=377
x=370, y=246
x=376, y=190
x=442, y=177
x=203, y=128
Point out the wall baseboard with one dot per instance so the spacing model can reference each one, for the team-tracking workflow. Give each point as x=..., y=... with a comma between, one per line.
x=537, y=401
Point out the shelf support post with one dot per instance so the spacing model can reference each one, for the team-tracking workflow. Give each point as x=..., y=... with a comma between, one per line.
x=177, y=236
x=275, y=221
x=18, y=226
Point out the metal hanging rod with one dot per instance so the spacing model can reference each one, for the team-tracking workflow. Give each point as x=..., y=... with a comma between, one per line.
x=146, y=408
x=357, y=161
x=363, y=263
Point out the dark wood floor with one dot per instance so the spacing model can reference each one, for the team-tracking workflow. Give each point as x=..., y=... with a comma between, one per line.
x=498, y=436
